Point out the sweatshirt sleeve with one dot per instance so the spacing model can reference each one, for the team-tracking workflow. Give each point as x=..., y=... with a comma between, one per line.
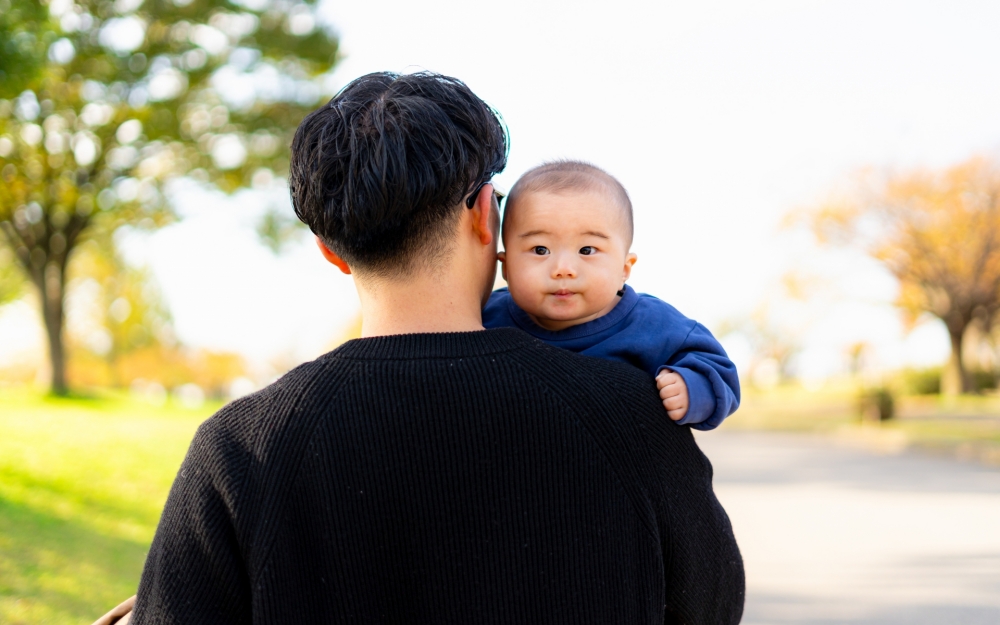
x=711, y=378
x=195, y=572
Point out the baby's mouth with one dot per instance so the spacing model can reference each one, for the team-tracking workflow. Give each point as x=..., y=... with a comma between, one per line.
x=563, y=293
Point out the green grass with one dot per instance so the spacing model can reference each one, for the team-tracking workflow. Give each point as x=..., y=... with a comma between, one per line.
x=966, y=427
x=82, y=484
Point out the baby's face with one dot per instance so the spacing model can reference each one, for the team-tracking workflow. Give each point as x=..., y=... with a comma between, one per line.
x=566, y=256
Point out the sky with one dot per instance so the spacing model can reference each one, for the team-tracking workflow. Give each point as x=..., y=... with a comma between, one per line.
x=720, y=118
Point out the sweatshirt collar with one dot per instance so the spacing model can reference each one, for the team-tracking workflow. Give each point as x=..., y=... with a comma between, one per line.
x=625, y=305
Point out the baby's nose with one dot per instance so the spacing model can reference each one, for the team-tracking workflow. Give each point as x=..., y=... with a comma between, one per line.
x=564, y=270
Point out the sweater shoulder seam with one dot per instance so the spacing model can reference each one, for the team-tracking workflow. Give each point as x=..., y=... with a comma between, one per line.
x=268, y=540
x=639, y=508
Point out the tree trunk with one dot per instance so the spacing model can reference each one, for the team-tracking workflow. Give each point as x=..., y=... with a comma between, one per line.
x=53, y=295
x=50, y=281
x=955, y=379
x=43, y=251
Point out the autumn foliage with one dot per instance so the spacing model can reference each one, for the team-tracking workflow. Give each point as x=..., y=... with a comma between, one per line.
x=938, y=233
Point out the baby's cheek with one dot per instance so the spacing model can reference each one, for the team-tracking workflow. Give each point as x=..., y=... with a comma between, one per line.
x=521, y=280
x=524, y=296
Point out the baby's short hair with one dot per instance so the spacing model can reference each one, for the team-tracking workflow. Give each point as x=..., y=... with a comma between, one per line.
x=567, y=175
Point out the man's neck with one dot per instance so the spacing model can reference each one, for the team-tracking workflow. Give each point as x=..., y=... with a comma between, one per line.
x=445, y=297
x=420, y=303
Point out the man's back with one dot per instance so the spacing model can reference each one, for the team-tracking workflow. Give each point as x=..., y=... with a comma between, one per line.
x=477, y=477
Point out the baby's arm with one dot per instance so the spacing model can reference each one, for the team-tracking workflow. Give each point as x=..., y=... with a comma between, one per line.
x=711, y=385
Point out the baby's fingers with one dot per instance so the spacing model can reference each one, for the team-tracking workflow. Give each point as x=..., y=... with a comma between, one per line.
x=677, y=415
x=676, y=407
x=675, y=403
x=671, y=390
x=667, y=378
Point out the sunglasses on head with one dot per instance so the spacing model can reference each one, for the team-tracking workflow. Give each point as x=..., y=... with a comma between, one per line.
x=500, y=195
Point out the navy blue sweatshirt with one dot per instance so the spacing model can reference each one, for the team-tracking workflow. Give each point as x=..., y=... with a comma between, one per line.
x=650, y=334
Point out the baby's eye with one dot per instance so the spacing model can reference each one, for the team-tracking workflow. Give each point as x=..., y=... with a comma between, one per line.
x=587, y=250
x=541, y=250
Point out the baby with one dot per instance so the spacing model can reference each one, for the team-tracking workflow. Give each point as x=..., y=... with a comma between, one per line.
x=567, y=230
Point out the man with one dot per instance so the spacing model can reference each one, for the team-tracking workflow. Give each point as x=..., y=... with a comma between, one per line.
x=433, y=471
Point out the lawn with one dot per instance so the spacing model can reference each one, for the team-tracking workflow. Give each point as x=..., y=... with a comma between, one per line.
x=82, y=484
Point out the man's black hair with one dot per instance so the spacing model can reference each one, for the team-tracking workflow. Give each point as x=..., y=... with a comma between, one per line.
x=379, y=173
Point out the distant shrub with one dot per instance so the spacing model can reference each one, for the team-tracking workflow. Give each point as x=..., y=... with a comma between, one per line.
x=921, y=381
x=876, y=404
x=928, y=381
x=984, y=380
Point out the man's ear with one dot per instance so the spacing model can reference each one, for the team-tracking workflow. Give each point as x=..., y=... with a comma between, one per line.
x=502, y=257
x=482, y=213
x=630, y=260
x=331, y=257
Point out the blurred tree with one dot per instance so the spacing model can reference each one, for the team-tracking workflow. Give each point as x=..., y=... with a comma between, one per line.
x=215, y=371
x=773, y=345
x=11, y=280
x=126, y=310
x=22, y=52
x=102, y=102
x=939, y=235
x=857, y=358
x=773, y=330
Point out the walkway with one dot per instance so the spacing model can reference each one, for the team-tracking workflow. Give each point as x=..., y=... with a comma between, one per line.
x=834, y=534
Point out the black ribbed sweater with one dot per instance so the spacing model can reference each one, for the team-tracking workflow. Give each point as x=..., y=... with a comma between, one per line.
x=478, y=477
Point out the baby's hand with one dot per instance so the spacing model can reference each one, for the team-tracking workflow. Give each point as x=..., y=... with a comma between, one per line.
x=674, y=393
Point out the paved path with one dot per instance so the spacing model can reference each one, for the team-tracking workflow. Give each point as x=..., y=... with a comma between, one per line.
x=834, y=534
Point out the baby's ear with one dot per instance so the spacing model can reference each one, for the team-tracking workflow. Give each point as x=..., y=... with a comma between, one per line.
x=502, y=257
x=630, y=260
